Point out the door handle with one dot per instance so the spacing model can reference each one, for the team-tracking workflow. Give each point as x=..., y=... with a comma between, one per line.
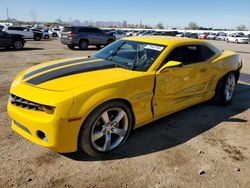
x=203, y=70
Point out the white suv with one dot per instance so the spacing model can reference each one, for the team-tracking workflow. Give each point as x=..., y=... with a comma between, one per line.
x=25, y=32
x=237, y=38
x=55, y=32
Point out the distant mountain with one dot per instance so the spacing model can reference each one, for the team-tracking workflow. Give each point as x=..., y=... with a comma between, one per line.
x=59, y=21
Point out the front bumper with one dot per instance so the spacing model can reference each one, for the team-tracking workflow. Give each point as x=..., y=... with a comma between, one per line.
x=61, y=135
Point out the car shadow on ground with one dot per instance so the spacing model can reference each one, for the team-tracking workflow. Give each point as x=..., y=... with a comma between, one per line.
x=14, y=50
x=178, y=128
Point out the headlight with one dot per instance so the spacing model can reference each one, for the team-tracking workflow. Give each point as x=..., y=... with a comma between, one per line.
x=23, y=103
x=47, y=109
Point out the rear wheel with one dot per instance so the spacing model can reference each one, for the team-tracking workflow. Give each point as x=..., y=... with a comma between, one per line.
x=46, y=37
x=18, y=45
x=70, y=46
x=54, y=35
x=37, y=37
x=106, y=128
x=83, y=45
x=225, y=89
x=110, y=41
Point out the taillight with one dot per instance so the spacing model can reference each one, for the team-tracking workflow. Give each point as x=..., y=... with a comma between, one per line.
x=70, y=34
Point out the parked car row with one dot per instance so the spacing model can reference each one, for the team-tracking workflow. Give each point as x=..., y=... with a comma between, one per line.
x=14, y=37
x=233, y=37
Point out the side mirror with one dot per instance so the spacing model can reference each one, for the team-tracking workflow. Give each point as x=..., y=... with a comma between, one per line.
x=171, y=64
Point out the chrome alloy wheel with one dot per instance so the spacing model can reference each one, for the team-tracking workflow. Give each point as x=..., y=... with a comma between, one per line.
x=229, y=87
x=109, y=129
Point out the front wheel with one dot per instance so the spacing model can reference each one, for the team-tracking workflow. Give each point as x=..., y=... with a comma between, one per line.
x=18, y=45
x=225, y=89
x=106, y=128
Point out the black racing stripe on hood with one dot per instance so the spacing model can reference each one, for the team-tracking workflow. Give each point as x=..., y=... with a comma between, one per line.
x=54, y=66
x=67, y=71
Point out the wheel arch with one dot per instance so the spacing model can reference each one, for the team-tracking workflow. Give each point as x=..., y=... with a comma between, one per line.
x=122, y=100
x=236, y=74
x=83, y=39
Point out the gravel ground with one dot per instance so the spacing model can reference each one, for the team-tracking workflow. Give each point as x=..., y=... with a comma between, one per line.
x=202, y=146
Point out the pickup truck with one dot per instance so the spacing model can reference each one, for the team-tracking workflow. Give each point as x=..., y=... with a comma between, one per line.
x=11, y=40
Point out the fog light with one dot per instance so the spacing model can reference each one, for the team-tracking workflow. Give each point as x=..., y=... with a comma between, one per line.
x=42, y=136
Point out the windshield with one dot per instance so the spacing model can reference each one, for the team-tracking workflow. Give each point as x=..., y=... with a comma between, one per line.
x=131, y=54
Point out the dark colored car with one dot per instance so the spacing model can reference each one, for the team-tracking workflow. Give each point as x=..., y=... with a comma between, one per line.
x=194, y=35
x=85, y=36
x=11, y=40
x=167, y=33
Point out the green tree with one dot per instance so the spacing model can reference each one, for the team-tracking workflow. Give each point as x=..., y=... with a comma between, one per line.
x=193, y=26
x=241, y=27
x=159, y=26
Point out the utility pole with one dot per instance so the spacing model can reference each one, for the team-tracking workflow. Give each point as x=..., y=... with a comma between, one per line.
x=7, y=12
x=33, y=15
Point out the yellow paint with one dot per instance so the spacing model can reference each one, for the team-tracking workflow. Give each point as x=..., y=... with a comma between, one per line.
x=76, y=96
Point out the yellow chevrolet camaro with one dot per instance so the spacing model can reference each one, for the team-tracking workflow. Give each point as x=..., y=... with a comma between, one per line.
x=95, y=102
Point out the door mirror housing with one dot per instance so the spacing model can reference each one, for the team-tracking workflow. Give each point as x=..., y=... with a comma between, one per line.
x=171, y=64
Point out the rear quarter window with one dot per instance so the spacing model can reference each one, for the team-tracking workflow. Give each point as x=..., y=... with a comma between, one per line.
x=67, y=29
x=207, y=52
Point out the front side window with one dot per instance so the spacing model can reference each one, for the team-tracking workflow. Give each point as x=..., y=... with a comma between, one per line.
x=190, y=54
x=131, y=54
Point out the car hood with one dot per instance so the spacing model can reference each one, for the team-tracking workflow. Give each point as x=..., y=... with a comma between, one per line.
x=73, y=73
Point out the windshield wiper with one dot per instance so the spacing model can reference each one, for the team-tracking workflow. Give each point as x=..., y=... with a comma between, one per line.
x=114, y=52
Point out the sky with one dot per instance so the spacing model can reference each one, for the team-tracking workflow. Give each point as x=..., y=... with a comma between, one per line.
x=212, y=13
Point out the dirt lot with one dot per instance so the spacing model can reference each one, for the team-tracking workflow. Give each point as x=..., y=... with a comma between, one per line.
x=167, y=153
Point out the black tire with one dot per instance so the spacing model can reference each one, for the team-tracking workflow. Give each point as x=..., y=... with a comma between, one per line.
x=86, y=132
x=54, y=35
x=220, y=96
x=70, y=46
x=236, y=41
x=18, y=45
x=110, y=41
x=37, y=37
x=98, y=46
x=83, y=44
x=46, y=36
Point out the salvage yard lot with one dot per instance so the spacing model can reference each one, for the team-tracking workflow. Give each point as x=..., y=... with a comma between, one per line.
x=167, y=153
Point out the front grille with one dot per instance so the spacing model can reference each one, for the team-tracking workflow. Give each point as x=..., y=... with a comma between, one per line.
x=23, y=103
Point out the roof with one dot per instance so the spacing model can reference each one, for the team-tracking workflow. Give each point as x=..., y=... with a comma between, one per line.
x=163, y=40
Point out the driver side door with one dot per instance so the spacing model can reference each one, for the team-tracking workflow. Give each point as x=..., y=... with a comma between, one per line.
x=179, y=87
